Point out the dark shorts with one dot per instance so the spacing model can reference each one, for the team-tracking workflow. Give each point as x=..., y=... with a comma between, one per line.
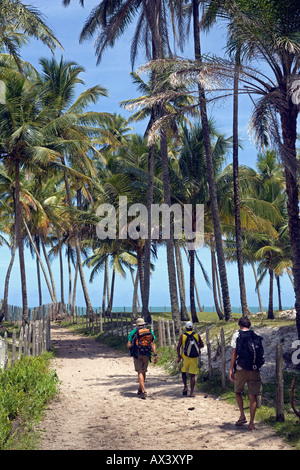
x=141, y=363
x=251, y=377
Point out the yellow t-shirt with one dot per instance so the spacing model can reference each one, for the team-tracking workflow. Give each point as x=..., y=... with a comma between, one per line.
x=184, y=340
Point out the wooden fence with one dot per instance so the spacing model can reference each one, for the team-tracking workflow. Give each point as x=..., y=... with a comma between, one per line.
x=27, y=340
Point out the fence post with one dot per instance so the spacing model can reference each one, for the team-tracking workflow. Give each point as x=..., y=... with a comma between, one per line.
x=160, y=333
x=279, y=384
x=168, y=333
x=223, y=359
x=13, y=348
x=26, y=340
x=163, y=329
x=20, y=342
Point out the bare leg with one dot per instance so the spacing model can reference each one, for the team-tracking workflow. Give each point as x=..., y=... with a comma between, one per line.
x=193, y=381
x=240, y=402
x=184, y=380
x=253, y=404
x=141, y=377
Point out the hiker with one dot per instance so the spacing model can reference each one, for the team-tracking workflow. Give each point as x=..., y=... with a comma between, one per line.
x=191, y=343
x=246, y=360
x=141, y=344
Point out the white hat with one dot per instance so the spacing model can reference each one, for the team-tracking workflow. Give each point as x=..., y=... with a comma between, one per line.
x=140, y=322
x=189, y=325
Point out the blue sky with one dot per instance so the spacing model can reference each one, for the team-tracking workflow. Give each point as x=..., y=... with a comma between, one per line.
x=114, y=74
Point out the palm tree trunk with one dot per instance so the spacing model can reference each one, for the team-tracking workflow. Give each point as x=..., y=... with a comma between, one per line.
x=20, y=242
x=74, y=289
x=279, y=292
x=145, y=289
x=104, y=287
x=170, y=241
x=62, y=296
x=235, y=165
x=40, y=260
x=111, y=299
x=50, y=275
x=289, y=157
x=213, y=269
x=38, y=272
x=141, y=275
x=257, y=287
x=135, y=294
x=7, y=278
x=70, y=276
x=192, y=286
x=271, y=288
x=218, y=284
x=181, y=284
x=90, y=310
x=147, y=248
x=210, y=171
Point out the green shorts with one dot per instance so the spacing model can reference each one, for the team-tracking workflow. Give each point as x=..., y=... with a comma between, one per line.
x=251, y=377
x=141, y=363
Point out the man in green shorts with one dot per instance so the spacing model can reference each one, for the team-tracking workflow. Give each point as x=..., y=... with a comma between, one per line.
x=240, y=376
x=141, y=343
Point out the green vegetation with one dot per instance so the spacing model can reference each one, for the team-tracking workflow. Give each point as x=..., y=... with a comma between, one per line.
x=24, y=392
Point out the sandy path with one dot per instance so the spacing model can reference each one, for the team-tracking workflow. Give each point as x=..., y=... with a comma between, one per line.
x=98, y=407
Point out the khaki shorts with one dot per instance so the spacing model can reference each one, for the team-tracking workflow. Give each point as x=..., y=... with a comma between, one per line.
x=141, y=363
x=251, y=377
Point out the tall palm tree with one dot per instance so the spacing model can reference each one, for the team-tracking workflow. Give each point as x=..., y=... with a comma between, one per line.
x=192, y=163
x=270, y=32
x=74, y=127
x=22, y=141
x=152, y=29
x=195, y=15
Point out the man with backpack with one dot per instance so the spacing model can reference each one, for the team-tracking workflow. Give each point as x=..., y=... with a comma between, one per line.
x=190, y=343
x=141, y=345
x=246, y=360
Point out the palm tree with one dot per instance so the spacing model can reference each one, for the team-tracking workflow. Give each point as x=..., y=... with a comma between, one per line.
x=269, y=31
x=152, y=29
x=74, y=128
x=22, y=141
x=15, y=17
x=192, y=163
x=194, y=14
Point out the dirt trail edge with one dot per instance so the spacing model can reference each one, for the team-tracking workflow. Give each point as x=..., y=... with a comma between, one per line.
x=98, y=407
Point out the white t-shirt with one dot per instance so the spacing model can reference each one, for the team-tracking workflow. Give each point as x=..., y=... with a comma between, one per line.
x=233, y=343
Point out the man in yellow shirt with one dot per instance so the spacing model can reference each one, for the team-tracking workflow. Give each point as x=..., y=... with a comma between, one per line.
x=191, y=343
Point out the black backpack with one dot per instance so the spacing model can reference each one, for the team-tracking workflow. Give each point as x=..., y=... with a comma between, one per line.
x=249, y=350
x=191, y=346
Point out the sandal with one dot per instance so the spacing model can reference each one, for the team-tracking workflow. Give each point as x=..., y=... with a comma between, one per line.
x=240, y=422
x=143, y=395
x=185, y=392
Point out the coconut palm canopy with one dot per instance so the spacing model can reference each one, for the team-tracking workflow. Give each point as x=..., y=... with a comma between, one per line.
x=68, y=147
